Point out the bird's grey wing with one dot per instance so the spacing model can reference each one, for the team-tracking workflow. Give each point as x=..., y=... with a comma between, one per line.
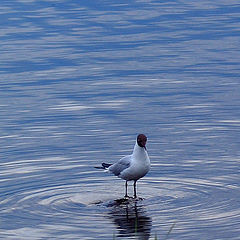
x=120, y=165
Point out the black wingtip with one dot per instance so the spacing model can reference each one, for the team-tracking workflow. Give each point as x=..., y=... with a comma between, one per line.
x=106, y=165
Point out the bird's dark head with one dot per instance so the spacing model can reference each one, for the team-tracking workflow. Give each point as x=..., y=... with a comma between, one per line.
x=142, y=140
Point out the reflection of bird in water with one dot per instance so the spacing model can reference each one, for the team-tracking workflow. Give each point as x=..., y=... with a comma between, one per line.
x=130, y=219
x=131, y=167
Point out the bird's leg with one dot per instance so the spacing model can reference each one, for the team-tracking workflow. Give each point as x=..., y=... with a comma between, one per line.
x=135, y=191
x=126, y=195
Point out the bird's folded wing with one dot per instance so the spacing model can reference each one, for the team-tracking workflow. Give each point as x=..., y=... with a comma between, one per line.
x=121, y=165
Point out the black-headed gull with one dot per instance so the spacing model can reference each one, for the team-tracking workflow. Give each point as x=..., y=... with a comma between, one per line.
x=131, y=167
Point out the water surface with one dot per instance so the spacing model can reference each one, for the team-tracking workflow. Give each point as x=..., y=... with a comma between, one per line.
x=80, y=80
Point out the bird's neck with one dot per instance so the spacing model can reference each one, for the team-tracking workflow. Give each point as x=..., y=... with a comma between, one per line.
x=139, y=152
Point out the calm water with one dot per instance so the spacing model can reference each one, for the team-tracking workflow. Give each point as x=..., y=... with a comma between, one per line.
x=79, y=81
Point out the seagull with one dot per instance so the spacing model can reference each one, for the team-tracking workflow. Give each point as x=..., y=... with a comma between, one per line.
x=131, y=167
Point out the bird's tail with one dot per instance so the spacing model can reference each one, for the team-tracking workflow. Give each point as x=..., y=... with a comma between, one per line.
x=104, y=166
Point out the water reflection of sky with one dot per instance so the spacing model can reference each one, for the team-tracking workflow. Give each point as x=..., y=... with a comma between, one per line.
x=79, y=80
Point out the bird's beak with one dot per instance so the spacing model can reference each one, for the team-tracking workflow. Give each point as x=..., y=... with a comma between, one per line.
x=145, y=148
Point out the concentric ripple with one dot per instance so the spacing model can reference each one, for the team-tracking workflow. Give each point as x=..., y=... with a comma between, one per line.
x=48, y=204
x=196, y=204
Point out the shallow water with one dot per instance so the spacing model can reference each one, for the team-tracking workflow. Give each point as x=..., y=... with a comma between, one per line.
x=79, y=81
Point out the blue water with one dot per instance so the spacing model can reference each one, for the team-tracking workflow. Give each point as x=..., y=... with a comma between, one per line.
x=80, y=79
